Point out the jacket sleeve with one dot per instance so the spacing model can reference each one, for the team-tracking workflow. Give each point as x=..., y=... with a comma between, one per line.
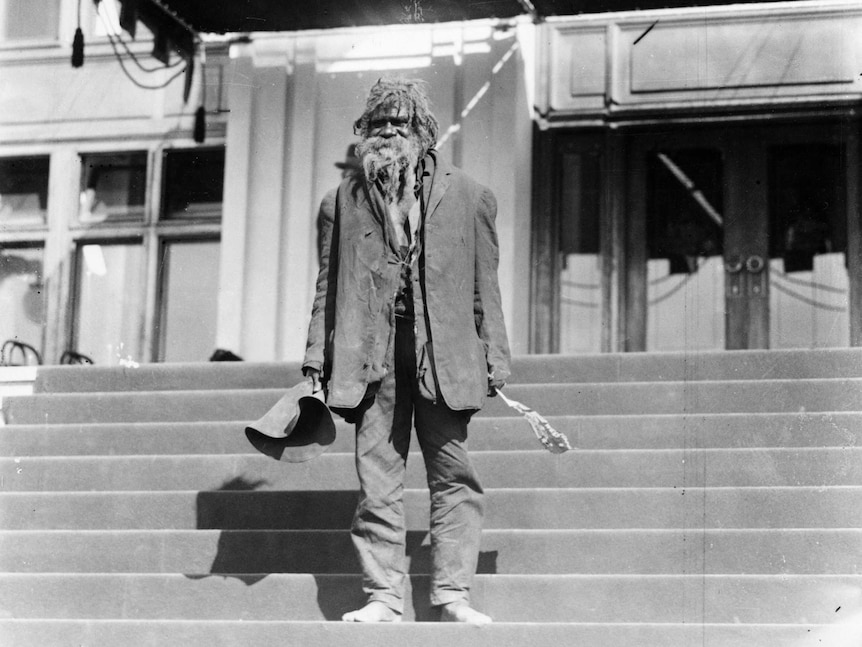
x=323, y=307
x=487, y=307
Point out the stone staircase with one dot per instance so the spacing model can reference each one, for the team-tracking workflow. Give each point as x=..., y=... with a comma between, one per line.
x=714, y=500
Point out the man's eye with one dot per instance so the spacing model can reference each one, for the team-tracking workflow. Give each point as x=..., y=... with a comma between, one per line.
x=396, y=122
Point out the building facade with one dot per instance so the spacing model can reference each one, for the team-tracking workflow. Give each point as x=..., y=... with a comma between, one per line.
x=677, y=179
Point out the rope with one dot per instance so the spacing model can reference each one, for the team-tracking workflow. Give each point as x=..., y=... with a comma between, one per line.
x=810, y=284
x=667, y=295
x=806, y=300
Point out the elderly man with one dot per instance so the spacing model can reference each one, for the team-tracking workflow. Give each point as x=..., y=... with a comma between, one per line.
x=407, y=329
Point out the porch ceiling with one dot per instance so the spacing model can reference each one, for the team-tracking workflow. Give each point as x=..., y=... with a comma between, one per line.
x=279, y=15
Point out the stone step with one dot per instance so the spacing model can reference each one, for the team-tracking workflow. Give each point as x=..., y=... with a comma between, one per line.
x=526, y=369
x=625, y=552
x=168, y=377
x=693, y=599
x=335, y=471
x=231, y=633
x=508, y=508
x=716, y=430
x=635, y=398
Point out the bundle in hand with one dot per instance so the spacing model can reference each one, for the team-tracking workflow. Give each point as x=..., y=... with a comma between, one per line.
x=551, y=439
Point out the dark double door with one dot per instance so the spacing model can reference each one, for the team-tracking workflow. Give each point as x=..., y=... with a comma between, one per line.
x=701, y=238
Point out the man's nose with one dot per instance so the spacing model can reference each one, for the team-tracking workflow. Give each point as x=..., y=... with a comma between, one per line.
x=388, y=130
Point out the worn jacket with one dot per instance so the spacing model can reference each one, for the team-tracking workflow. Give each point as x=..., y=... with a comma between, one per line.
x=461, y=339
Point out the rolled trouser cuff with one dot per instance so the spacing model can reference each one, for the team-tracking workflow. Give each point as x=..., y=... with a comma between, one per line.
x=389, y=599
x=441, y=598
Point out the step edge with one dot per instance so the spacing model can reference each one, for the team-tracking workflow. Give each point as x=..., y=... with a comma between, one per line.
x=129, y=532
x=413, y=491
x=418, y=453
x=519, y=386
x=193, y=425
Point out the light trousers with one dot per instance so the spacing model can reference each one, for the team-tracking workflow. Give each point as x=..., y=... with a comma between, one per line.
x=383, y=429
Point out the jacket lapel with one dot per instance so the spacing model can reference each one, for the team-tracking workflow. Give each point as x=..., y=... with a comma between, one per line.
x=435, y=186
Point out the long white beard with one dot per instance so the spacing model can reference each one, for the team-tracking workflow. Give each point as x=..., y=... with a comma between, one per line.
x=386, y=160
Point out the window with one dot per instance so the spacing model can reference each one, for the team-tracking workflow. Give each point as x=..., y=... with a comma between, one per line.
x=23, y=216
x=809, y=283
x=806, y=204
x=189, y=297
x=194, y=183
x=111, y=291
x=137, y=262
x=29, y=20
x=22, y=295
x=113, y=187
x=685, y=242
x=23, y=190
x=685, y=206
x=106, y=18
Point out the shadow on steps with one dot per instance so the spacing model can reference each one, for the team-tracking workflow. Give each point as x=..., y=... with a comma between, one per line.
x=251, y=545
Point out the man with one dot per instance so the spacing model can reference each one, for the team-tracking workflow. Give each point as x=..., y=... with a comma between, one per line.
x=407, y=328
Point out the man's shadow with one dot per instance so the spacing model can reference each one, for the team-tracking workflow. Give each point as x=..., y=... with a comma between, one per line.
x=248, y=551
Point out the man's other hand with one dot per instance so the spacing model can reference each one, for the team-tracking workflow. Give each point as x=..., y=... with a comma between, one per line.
x=493, y=385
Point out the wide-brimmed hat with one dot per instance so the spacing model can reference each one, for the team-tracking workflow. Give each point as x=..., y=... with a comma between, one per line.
x=296, y=429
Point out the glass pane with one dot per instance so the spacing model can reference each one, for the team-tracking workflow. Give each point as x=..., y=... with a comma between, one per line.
x=23, y=190
x=106, y=18
x=194, y=182
x=29, y=19
x=110, y=302
x=809, y=285
x=189, y=302
x=686, y=310
x=113, y=187
x=101, y=19
x=22, y=296
x=685, y=239
x=581, y=274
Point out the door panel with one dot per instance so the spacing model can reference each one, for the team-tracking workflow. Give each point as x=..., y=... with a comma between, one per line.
x=737, y=238
x=809, y=281
x=684, y=243
x=580, y=272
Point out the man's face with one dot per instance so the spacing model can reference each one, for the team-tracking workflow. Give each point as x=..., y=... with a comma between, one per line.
x=389, y=148
x=388, y=121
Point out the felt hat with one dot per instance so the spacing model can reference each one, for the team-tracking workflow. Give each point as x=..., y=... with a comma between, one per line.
x=351, y=161
x=296, y=429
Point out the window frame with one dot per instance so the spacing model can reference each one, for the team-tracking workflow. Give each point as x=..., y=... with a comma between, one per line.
x=62, y=232
x=152, y=229
x=11, y=244
x=27, y=228
x=160, y=328
x=65, y=11
x=78, y=223
x=161, y=213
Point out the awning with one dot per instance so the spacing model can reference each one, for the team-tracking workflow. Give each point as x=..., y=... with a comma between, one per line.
x=242, y=16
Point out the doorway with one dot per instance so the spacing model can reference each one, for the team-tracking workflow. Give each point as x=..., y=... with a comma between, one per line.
x=698, y=237
x=737, y=238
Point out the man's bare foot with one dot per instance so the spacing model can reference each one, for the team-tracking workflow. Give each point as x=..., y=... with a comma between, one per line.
x=374, y=611
x=463, y=612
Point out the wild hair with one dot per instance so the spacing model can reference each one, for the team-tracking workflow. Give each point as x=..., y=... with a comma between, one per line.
x=409, y=93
